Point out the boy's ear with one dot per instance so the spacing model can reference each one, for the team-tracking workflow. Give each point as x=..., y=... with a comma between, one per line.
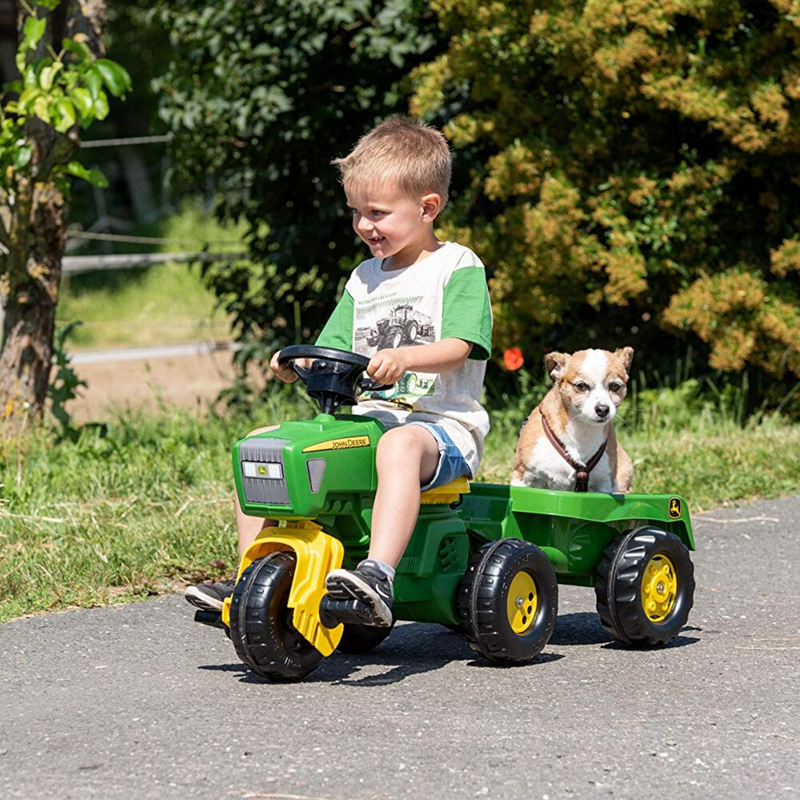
x=431, y=205
x=556, y=363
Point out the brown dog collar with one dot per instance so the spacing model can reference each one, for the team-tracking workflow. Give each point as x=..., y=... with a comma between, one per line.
x=581, y=470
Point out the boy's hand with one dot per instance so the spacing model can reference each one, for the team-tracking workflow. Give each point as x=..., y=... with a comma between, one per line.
x=388, y=366
x=284, y=373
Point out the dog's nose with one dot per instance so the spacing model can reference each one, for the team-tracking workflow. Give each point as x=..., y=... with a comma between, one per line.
x=601, y=411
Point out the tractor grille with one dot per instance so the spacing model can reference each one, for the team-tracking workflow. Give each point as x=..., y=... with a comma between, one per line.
x=265, y=490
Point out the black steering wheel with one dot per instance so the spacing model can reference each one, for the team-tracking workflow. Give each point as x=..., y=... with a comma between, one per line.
x=334, y=379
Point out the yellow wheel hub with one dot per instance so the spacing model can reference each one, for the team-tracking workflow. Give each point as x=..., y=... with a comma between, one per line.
x=659, y=588
x=522, y=603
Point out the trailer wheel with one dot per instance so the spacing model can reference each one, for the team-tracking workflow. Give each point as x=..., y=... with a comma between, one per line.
x=645, y=587
x=261, y=622
x=508, y=601
x=362, y=638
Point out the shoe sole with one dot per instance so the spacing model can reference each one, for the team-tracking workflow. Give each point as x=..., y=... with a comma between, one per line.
x=201, y=600
x=344, y=585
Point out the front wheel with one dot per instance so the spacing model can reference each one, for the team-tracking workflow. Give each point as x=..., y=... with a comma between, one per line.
x=508, y=601
x=261, y=621
x=645, y=587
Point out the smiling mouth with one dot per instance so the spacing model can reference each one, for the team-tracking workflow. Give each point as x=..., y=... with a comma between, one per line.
x=375, y=240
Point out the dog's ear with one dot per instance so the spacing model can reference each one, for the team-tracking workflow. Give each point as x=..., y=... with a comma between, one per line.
x=626, y=356
x=555, y=364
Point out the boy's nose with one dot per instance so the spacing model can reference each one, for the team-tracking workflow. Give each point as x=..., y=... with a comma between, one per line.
x=364, y=225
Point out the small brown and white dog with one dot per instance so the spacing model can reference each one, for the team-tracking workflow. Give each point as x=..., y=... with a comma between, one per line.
x=568, y=442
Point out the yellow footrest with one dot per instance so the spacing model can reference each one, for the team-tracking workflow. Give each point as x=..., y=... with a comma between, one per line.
x=449, y=493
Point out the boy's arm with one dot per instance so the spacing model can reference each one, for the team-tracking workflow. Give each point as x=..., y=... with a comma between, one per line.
x=388, y=366
x=338, y=330
x=466, y=332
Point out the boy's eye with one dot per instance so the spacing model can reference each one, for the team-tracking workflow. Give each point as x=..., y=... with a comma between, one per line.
x=581, y=386
x=377, y=212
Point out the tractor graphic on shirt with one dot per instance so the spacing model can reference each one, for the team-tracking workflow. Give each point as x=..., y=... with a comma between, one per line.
x=404, y=326
x=409, y=388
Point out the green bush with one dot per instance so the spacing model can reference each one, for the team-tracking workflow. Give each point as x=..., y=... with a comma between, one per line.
x=630, y=174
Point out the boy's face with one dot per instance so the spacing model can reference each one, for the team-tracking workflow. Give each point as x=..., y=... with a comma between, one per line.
x=389, y=221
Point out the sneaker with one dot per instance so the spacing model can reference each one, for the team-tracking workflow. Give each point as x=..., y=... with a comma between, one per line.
x=209, y=596
x=367, y=583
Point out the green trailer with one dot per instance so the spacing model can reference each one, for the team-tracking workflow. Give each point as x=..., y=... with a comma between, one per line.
x=485, y=559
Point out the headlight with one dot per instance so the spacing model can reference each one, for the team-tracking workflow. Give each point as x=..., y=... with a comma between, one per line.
x=256, y=469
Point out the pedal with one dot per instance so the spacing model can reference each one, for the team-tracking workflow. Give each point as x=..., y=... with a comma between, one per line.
x=350, y=612
x=211, y=618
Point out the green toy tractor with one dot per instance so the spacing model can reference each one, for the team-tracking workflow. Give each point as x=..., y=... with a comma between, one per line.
x=485, y=559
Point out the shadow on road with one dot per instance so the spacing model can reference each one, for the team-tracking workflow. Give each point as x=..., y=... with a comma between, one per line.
x=678, y=641
x=419, y=648
x=582, y=627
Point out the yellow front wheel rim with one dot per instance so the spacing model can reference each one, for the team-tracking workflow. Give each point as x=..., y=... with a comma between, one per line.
x=659, y=588
x=523, y=600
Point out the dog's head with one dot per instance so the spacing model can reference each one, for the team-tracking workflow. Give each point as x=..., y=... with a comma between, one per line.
x=592, y=383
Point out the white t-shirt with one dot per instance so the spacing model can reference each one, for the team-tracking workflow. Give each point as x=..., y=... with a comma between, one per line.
x=443, y=296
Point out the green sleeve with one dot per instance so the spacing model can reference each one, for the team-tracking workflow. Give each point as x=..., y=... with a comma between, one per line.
x=338, y=330
x=467, y=312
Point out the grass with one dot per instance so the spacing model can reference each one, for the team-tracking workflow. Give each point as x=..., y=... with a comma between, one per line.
x=162, y=304
x=148, y=506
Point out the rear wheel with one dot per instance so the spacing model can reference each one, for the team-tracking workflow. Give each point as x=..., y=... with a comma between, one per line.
x=508, y=601
x=645, y=587
x=261, y=621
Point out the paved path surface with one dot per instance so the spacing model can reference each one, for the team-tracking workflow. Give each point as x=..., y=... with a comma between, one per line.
x=138, y=702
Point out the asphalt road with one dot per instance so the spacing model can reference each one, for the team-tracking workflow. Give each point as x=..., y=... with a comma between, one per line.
x=139, y=702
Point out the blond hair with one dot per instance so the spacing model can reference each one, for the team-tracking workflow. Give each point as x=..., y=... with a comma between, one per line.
x=401, y=151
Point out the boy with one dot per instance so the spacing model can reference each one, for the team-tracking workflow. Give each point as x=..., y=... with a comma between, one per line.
x=419, y=308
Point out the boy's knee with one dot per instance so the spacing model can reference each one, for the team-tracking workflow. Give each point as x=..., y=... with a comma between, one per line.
x=400, y=443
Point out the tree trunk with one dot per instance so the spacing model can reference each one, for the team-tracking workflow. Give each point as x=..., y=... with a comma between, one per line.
x=36, y=233
x=30, y=298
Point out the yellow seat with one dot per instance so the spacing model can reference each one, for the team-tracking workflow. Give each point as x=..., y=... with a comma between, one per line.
x=449, y=493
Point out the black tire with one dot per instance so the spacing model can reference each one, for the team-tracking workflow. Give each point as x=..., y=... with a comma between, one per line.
x=395, y=338
x=618, y=587
x=483, y=601
x=362, y=638
x=261, y=622
x=411, y=332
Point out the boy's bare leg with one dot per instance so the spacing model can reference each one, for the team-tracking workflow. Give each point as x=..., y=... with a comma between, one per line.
x=247, y=527
x=407, y=459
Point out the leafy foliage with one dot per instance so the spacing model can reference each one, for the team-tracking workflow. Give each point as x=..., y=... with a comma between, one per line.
x=633, y=171
x=261, y=96
x=62, y=90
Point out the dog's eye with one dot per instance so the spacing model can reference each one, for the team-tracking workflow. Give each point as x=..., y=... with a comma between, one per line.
x=615, y=387
x=581, y=386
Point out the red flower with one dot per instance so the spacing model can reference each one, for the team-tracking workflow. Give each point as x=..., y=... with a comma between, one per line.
x=513, y=359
